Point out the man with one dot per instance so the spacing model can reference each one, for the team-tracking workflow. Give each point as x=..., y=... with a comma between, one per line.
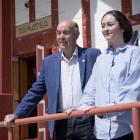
x=63, y=77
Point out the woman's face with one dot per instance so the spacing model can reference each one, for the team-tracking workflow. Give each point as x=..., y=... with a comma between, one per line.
x=111, y=30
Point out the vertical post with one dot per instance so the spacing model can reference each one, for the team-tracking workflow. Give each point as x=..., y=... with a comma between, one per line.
x=10, y=133
x=136, y=123
x=1, y=47
x=86, y=27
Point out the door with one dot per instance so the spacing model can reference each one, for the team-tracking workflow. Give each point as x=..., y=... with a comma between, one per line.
x=24, y=74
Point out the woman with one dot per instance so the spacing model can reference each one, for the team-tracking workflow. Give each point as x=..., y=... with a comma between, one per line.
x=115, y=79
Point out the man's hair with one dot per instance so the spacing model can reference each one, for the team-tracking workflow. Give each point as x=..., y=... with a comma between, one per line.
x=76, y=28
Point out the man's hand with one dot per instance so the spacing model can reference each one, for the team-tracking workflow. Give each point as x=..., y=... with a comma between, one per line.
x=9, y=120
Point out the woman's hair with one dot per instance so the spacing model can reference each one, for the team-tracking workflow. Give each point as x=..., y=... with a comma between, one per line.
x=124, y=24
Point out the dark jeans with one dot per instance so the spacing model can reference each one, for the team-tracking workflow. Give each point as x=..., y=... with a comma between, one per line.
x=80, y=128
x=126, y=137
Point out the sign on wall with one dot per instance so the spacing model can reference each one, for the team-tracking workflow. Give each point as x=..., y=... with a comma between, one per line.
x=33, y=27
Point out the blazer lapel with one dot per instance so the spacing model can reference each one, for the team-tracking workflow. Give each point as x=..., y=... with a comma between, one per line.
x=82, y=65
x=57, y=70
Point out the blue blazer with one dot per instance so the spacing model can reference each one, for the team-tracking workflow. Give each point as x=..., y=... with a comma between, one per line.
x=49, y=82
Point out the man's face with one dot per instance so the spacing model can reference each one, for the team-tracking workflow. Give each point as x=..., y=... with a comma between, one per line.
x=66, y=36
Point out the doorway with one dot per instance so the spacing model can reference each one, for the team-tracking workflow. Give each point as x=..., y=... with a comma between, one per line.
x=24, y=75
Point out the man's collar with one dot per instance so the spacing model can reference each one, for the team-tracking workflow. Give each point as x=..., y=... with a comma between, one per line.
x=75, y=54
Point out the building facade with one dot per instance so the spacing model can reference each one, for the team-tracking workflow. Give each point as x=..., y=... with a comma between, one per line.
x=27, y=34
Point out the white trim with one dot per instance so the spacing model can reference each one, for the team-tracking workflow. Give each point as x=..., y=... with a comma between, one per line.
x=43, y=103
x=41, y=48
x=44, y=132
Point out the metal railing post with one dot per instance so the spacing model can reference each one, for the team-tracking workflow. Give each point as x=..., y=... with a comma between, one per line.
x=136, y=123
x=10, y=133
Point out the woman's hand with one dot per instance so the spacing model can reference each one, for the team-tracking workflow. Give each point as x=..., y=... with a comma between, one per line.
x=69, y=111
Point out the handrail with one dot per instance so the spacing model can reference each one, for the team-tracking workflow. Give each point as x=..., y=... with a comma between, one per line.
x=92, y=111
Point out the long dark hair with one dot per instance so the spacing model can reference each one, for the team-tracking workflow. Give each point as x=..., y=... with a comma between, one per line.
x=124, y=24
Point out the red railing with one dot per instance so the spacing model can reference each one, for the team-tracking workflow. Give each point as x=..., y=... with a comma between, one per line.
x=99, y=110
